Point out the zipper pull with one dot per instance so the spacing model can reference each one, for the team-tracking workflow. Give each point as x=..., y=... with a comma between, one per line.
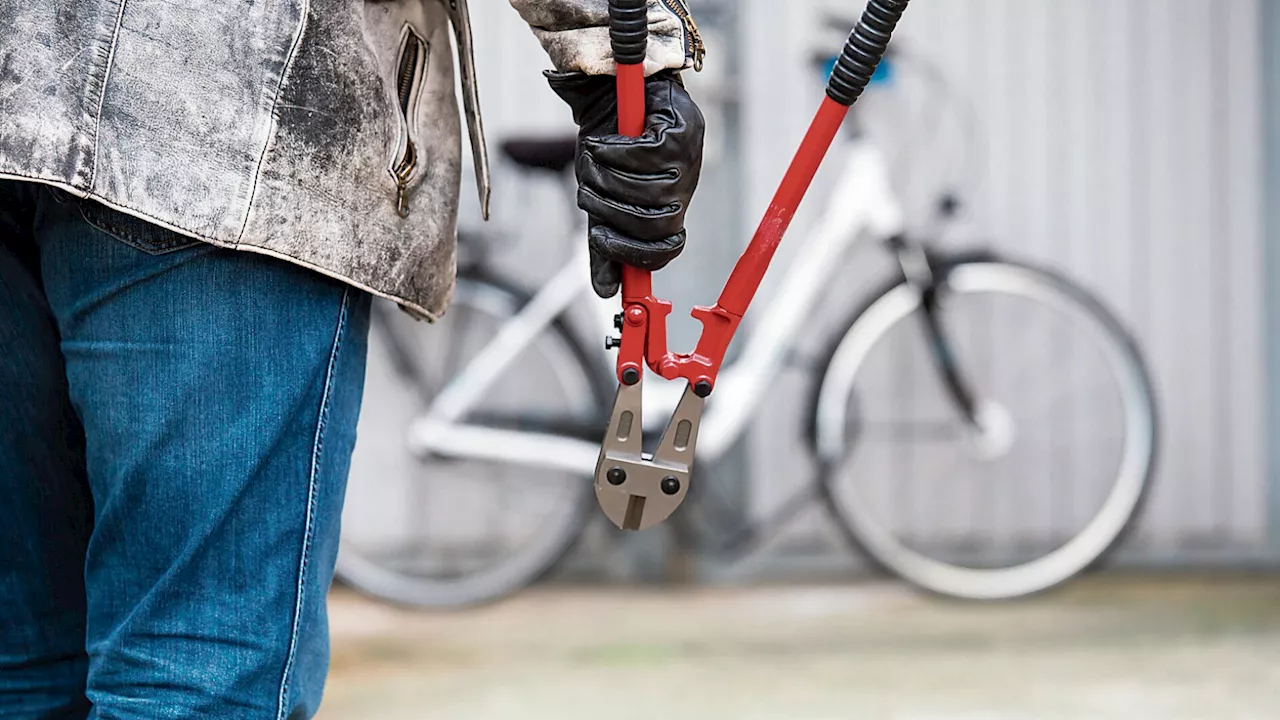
x=699, y=47
x=402, y=200
x=403, y=172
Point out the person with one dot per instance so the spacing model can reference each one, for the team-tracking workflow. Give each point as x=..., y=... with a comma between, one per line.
x=198, y=203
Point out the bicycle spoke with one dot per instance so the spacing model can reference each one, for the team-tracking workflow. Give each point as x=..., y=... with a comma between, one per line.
x=474, y=528
x=574, y=428
x=402, y=353
x=1044, y=407
x=913, y=430
x=1051, y=477
x=454, y=350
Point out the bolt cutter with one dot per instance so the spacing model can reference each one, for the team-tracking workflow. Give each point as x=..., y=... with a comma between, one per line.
x=637, y=490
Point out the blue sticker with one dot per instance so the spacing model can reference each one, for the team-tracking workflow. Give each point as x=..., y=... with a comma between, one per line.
x=883, y=74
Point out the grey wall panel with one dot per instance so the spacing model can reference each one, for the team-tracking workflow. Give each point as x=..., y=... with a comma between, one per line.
x=1269, y=30
x=1121, y=143
x=1118, y=140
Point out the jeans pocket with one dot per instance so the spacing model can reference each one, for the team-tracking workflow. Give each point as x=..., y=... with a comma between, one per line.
x=133, y=231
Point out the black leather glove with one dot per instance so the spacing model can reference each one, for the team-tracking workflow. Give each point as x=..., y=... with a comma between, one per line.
x=635, y=191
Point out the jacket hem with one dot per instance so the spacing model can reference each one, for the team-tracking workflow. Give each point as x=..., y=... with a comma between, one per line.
x=412, y=308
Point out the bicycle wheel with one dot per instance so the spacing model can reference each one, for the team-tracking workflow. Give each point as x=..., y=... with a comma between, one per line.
x=1054, y=473
x=431, y=532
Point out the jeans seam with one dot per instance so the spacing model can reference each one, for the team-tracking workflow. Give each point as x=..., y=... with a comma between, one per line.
x=317, y=455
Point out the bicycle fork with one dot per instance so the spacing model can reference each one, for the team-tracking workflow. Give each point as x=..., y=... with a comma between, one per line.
x=636, y=490
x=917, y=270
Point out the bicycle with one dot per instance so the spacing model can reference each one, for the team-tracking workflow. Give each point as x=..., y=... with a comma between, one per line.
x=932, y=322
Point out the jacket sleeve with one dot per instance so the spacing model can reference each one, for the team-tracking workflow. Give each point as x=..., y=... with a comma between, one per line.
x=575, y=33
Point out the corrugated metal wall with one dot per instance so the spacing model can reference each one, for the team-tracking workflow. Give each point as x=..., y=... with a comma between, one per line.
x=1119, y=140
x=1269, y=28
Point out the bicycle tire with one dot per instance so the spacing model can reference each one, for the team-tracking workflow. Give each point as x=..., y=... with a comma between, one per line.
x=556, y=538
x=1109, y=525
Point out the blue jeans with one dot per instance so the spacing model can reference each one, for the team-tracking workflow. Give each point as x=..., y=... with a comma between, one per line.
x=176, y=427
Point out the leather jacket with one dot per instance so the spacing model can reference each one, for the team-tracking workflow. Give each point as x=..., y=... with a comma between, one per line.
x=323, y=132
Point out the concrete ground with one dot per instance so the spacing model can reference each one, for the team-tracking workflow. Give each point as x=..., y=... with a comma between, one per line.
x=1165, y=649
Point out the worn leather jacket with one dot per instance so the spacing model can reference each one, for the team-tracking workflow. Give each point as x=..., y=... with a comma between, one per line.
x=323, y=132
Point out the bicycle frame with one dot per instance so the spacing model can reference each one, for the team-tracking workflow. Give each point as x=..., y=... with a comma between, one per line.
x=862, y=207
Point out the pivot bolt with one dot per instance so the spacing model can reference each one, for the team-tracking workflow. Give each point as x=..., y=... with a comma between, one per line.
x=670, y=485
x=617, y=476
x=702, y=388
x=630, y=376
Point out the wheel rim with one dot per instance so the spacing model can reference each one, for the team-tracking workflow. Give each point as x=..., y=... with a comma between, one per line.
x=1105, y=525
x=409, y=564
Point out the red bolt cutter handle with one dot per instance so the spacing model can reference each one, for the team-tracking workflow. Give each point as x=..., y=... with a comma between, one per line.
x=629, y=35
x=644, y=333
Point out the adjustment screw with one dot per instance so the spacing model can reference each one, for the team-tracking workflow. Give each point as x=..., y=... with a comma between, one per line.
x=617, y=476
x=630, y=376
x=670, y=485
x=702, y=388
x=612, y=342
x=618, y=321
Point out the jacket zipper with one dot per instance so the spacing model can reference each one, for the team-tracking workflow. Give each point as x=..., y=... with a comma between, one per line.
x=408, y=74
x=693, y=38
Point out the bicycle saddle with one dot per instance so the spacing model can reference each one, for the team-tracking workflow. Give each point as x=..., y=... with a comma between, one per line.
x=553, y=154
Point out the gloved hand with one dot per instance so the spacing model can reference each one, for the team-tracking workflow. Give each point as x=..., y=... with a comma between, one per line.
x=635, y=191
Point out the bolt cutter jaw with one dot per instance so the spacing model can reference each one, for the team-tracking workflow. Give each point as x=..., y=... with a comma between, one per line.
x=637, y=491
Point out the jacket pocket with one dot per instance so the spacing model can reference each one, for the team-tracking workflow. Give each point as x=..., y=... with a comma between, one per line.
x=411, y=71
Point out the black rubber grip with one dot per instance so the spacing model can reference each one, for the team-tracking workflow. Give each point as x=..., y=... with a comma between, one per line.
x=629, y=30
x=867, y=45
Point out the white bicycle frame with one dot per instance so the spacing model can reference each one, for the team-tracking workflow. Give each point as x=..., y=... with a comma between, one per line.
x=862, y=206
